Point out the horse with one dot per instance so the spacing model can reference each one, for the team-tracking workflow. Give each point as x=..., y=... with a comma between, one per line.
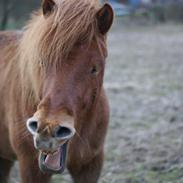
x=54, y=112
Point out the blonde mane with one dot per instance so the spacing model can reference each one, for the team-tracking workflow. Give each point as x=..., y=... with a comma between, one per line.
x=51, y=38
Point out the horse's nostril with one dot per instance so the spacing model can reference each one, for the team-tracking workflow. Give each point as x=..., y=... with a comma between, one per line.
x=63, y=132
x=32, y=126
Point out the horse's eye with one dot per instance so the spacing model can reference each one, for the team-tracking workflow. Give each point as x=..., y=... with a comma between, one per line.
x=94, y=70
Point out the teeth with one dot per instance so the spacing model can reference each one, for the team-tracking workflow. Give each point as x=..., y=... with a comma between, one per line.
x=53, y=152
x=48, y=152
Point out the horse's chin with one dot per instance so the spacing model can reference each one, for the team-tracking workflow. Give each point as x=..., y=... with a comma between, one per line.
x=53, y=163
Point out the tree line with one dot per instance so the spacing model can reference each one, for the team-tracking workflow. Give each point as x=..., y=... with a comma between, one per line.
x=16, y=10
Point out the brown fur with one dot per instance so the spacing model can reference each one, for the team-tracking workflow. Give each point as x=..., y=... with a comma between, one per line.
x=41, y=71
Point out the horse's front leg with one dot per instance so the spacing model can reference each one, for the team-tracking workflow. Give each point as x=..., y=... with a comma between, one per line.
x=30, y=172
x=87, y=172
x=5, y=167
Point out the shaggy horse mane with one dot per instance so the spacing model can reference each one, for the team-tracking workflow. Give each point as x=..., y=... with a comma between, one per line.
x=50, y=39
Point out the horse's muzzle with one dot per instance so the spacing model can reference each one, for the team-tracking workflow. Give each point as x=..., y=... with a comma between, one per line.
x=52, y=144
x=47, y=139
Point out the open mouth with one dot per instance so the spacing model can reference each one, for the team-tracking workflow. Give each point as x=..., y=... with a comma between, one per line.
x=53, y=162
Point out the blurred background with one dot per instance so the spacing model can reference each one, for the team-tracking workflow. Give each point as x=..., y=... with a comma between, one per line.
x=13, y=13
x=144, y=83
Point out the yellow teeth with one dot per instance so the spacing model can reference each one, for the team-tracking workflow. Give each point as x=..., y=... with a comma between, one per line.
x=48, y=152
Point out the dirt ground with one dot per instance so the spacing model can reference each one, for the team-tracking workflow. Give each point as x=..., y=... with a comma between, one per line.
x=144, y=82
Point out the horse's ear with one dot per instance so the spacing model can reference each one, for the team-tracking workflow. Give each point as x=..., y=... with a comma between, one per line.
x=105, y=18
x=47, y=6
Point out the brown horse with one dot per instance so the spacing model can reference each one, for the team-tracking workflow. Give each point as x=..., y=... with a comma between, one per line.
x=54, y=112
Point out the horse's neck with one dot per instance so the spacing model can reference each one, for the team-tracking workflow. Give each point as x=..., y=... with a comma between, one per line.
x=10, y=86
